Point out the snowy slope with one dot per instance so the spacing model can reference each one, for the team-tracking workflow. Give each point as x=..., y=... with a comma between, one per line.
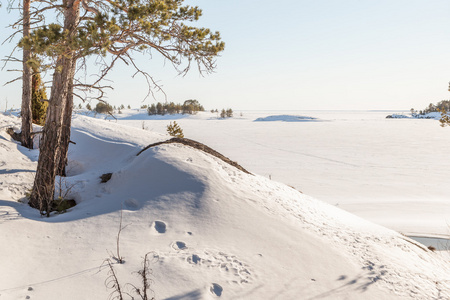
x=394, y=172
x=214, y=232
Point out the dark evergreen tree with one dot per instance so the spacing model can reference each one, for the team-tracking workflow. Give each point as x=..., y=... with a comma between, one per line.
x=103, y=108
x=151, y=109
x=39, y=102
x=159, y=109
x=175, y=130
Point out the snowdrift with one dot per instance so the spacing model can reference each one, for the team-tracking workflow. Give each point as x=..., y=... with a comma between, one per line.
x=213, y=230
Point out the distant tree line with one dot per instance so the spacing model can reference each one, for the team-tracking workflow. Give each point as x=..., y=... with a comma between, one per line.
x=228, y=113
x=188, y=107
x=443, y=105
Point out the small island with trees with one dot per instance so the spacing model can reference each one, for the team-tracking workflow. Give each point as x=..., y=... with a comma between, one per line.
x=436, y=111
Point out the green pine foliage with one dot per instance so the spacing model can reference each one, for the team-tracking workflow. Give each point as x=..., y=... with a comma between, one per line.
x=38, y=105
x=226, y=113
x=188, y=107
x=103, y=108
x=438, y=107
x=122, y=26
x=175, y=130
x=445, y=118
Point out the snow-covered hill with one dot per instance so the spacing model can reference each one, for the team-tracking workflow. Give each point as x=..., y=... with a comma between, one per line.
x=214, y=232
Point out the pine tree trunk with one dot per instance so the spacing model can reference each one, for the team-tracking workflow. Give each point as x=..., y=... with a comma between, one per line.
x=42, y=194
x=66, y=124
x=26, y=114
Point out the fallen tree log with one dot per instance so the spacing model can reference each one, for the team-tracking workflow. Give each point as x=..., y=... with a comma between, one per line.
x=199, y=146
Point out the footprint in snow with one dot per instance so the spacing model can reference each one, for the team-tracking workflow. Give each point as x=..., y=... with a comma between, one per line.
x=179, y=246
x=194, y=259
x=216, y=289
x=160, y=226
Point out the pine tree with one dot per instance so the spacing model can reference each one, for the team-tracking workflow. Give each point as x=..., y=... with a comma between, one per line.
x=175, y=130
x=103, y=108
x=151, y=109
x=119, y=28
x=159, y=109
x=38, y=105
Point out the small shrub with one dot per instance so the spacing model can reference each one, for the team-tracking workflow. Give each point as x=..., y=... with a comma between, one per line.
x=175, y=130
x=61, y=205
x=39, y=102
x=103, y=108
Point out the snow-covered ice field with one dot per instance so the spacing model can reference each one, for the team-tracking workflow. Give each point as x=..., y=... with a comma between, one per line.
x=395, y=172
x=215, y=232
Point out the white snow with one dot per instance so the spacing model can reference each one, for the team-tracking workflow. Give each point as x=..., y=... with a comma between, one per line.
x=216, y=232
x=285, y=118
x=393, y=172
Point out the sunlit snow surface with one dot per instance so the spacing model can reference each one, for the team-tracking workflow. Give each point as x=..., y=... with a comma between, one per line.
x=395, y=172
x=217, y=233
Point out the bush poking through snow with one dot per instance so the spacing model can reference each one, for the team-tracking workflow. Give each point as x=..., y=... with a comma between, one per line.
x=105, y=177
x=175, y=130
x=143, y=292
x=61, y=205
x=118, y=257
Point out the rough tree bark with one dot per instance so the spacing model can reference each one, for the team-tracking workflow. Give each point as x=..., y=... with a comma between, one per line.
x=66, y=124
x=27, y=126
x=42, y=194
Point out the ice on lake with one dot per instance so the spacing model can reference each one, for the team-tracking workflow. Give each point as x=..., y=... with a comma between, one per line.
x=392, y=171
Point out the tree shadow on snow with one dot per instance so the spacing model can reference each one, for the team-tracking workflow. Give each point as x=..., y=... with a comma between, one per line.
x=12, y=171
x=147, y=183
x=371, y=274
x=193, y=295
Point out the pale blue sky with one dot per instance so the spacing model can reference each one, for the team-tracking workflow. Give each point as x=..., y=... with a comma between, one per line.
x=299, y=55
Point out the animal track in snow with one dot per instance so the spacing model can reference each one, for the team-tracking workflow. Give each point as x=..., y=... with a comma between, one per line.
x=241, y=272
x=230, y=267
x=216, y=289
x=160, y=226
x=195, y=258
x=179, y=245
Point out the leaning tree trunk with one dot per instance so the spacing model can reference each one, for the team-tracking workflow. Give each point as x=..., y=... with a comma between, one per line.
x=27, y=126
x=42, y=193
x=66, y=124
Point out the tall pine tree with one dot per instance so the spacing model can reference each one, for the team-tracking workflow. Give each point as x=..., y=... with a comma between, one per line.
x=116, y=28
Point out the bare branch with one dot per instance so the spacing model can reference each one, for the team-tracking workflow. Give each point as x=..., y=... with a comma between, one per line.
x=9, y=82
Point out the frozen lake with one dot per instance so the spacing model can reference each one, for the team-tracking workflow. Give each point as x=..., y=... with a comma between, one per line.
x=395, y=172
